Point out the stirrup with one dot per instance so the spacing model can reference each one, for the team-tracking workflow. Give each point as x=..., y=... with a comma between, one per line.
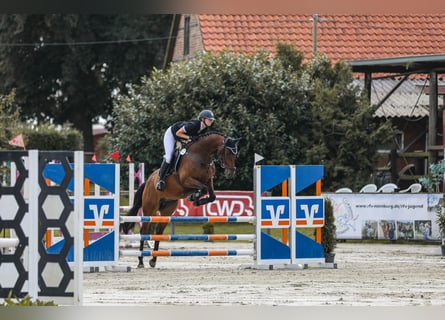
x=160, y=185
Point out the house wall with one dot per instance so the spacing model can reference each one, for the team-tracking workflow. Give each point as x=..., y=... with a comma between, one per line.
x=413, y=152
x=415, y=132
x=196, y=44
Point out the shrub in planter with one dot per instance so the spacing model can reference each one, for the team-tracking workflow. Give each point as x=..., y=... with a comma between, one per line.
x=208, y=228
x=328, y=231
x=440, y=220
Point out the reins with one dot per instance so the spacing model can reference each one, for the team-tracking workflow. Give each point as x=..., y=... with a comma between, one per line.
x=221, y=155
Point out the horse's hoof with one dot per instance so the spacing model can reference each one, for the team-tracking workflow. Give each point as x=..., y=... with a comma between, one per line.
x=152, y=263
x=140, y=266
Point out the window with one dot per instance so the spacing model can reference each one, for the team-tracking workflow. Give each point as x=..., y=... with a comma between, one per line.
x=186, y=36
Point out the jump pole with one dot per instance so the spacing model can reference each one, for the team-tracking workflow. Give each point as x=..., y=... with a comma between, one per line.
x=187, y=237
x=189, y=253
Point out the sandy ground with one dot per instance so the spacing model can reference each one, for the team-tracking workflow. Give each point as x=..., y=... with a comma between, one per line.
x=366, y=275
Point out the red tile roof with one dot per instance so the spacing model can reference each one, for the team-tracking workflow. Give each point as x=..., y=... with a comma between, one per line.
x=340, y=37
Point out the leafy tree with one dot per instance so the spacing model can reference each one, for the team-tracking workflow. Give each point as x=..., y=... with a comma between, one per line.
x=344, y=132
x=43, y=136
x=67, y=67
x=9, y=119
x=47, y=136
x=252, y=97
x=289, y=57
x=286, y=111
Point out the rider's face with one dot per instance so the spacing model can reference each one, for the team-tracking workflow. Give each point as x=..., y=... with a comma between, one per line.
x=208, y=122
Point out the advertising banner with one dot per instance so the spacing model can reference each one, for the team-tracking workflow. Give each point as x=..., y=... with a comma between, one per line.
x=388, y=216
x=227, y=204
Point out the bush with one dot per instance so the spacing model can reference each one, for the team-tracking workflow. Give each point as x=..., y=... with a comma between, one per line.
x=24, y=302
x=328, y=231
x=48, y=137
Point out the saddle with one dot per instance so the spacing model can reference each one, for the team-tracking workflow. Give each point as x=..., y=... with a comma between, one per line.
x=177, y=156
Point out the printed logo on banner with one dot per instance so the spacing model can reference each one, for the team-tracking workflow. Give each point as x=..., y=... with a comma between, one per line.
x=229, y=206
x=275, y=212
x=310, y=211
x=99, y=213
x=182, y=209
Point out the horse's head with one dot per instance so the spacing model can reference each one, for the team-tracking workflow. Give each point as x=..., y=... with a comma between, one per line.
x=227, y=156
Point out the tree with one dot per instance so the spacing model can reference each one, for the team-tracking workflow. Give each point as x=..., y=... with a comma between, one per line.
x=68, y=67
x=344, y=133
x=10, y=124
x=281, y=108
x=43, y=136
x=252, y=97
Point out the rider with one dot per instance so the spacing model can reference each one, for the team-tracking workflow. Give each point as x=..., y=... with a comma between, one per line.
x=186, y=130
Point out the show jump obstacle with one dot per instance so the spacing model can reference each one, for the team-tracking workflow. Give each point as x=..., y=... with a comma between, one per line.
x=288, y=212
x=29, y=206
x=47, y=191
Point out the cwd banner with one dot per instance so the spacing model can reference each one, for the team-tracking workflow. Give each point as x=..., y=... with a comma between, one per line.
x=227, y=204
x=391, y=216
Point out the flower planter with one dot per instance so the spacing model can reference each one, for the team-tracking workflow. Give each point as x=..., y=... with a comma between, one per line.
x=330, y=257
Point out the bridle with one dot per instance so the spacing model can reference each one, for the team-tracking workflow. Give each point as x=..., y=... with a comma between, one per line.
x=222, y=154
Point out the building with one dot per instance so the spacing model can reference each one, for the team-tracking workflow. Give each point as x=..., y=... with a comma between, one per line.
x=396, y=57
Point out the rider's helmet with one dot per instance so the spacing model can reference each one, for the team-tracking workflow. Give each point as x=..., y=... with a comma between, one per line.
x=206, y=114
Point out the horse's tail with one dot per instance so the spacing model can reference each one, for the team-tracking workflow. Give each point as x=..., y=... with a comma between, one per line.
x=137, y=204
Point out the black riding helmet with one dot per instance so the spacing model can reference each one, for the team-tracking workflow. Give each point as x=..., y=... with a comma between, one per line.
x=206, y=114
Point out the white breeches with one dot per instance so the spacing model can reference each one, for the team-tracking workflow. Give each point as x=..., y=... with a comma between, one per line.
x=169, y=145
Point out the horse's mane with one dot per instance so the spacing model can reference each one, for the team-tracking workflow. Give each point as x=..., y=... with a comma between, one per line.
x=206, y=134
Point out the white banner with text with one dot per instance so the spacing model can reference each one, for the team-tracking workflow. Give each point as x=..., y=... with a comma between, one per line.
x=391, y=216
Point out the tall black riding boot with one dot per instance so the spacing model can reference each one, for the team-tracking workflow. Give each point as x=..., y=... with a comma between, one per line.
x=162, y=173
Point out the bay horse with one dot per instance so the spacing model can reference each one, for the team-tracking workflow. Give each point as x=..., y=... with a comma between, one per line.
x=192, y=179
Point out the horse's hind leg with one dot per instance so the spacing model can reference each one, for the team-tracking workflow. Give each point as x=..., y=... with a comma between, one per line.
x=159, y=230
x=166, y=208
x=149, y=207
x=137, y=203
x=147, y=228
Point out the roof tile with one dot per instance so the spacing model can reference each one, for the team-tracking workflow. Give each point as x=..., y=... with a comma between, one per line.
x=354, y=36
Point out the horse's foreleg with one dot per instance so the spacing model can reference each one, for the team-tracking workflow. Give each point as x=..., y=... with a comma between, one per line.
x=210, y=198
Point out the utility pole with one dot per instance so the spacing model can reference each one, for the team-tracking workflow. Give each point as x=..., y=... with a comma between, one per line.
x=315, y=19
x=314, y=34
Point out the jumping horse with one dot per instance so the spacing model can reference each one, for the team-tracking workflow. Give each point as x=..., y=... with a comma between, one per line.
x=192, y=178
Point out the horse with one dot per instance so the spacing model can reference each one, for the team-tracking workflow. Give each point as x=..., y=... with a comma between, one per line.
x=193, y=178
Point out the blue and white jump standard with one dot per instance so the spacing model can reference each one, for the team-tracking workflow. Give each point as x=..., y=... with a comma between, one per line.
x=292, y=212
